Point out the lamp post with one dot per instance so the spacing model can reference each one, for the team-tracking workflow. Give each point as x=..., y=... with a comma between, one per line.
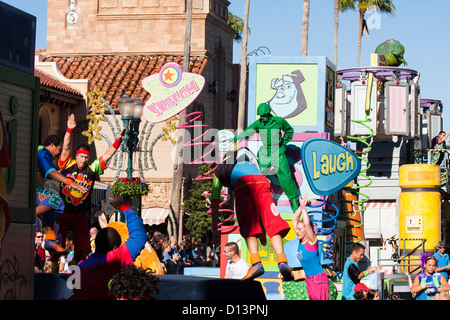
x=131, y=112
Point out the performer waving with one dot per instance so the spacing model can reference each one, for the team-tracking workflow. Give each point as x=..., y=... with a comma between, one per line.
x=317, y=283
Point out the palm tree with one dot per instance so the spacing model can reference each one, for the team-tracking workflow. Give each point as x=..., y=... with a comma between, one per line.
x=237, y=24
x=340, y=6
x=385, y=6
x=305, y=27
x=243, y=79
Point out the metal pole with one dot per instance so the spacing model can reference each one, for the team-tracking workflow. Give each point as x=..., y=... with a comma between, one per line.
x=130, y=164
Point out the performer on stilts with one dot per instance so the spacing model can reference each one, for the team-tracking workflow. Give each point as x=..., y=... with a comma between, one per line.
x=272, y=151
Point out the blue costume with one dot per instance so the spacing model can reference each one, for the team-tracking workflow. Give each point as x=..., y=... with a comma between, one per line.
x=45, y=196
x=433, y=281
x=349, y=279
x=98, y=269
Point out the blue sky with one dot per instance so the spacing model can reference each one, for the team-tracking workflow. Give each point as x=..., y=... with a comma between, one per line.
x=422, y=27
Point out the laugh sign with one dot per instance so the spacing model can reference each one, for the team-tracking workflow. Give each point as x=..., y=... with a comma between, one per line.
x=328, y=166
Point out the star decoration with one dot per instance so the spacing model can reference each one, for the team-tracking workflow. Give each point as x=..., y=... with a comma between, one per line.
x=168, y=75
x=95, y=96
x=97, y=107
x=170, y=131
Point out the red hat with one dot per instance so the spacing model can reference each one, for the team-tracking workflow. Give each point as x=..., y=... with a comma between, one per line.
x=361, y=286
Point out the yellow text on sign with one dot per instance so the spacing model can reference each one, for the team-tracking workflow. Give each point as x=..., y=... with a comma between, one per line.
x=332, y=163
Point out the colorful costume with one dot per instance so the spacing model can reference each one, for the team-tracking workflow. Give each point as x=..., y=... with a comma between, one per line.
x=430, y=284
x=254, y=204
x=349, y=279
x=253, y=198
x=272, y=151
x=45, y=196
x=96, y=272
x=317, y=283
x=77, y=205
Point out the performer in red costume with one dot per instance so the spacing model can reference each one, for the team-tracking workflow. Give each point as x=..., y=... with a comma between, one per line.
x=254, y=203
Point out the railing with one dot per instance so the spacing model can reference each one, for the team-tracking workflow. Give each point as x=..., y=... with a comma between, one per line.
x=404, y=259
x=419, y=158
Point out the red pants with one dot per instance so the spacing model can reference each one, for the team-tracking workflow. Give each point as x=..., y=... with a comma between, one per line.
x=254, y=203
x=79, y=225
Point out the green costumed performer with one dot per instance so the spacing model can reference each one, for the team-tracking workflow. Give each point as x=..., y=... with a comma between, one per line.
x=272, y=151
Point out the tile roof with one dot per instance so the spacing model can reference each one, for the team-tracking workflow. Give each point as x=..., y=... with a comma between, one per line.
x=51, y=82
x=118, y=75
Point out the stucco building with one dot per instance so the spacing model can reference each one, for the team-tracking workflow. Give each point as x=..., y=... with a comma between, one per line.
x=112, y=45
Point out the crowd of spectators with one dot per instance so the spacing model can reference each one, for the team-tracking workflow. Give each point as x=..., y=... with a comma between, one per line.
x=173, y=255
x=189, y=252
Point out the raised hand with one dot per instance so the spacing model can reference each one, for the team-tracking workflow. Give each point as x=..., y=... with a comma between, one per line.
x=71, y=123
x=116, y=202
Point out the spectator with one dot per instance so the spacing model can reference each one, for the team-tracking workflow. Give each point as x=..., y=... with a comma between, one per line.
x=173, y=244
x=186, y=253
x=39, y=259
x=361, y=291
x=199, y=254
x=214, y=256
x=47, y=266
x=373, y=295
x=237, y=268
x=92, y=234
x=207, y=251
x=66, y=261
x=170, y=264
x=110, y=254
x=443, y=262
x=133, y=283
x=156, y=242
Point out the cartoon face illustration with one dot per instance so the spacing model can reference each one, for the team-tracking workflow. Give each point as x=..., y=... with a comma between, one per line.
x=289, y=99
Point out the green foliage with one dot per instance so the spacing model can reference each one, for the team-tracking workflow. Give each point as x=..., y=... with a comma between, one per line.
x=199, y=221
x=129, y=188
x=237, y=24
x=196, y=202
x=199, y=224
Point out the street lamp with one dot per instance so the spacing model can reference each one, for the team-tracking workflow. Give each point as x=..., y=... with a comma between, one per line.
x=131, y=112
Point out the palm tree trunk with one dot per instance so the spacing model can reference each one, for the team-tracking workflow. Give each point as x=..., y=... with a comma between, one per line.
x=360, y=33
x=243, y=80
x=175, y=218
x=305, y=27
x=336, y=27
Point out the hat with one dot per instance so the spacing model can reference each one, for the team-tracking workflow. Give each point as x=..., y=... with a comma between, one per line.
x=263, y=109
x=441, y=244
x=361, y=286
